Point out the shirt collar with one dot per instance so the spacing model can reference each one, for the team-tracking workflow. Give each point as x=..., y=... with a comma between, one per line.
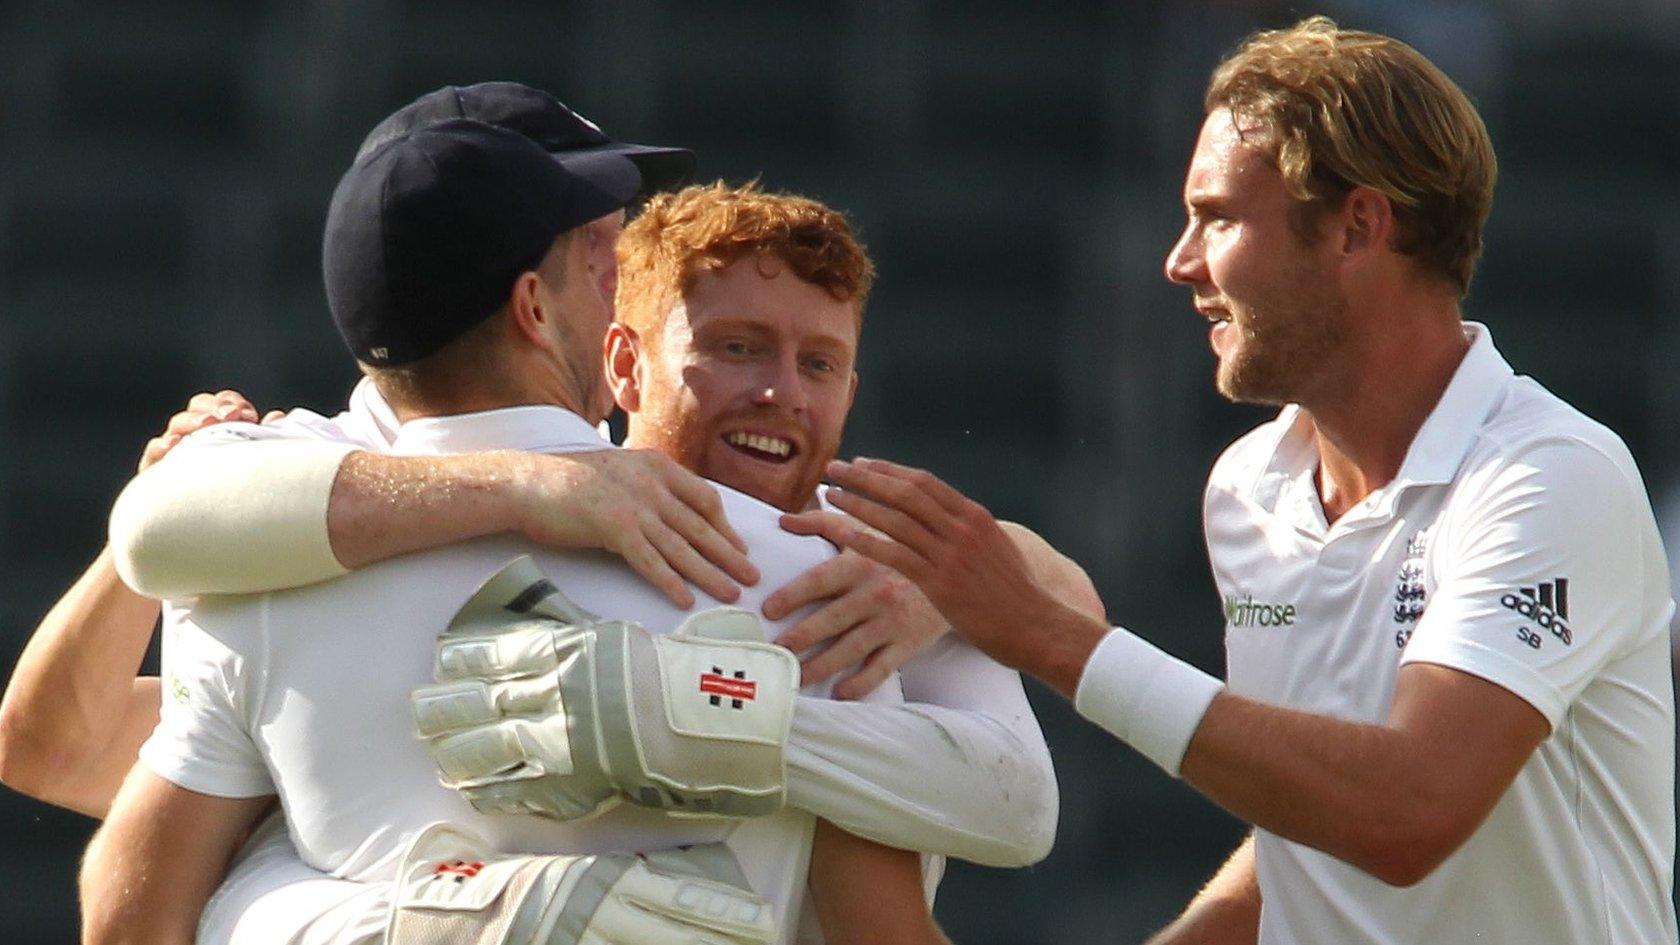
x=1451, y=428
x=372, y=417
x=537, y=429
x=1441, y=442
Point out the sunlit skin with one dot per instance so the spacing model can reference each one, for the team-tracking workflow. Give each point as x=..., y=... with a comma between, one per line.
x=1323, y=323
x=1279, y=319
x=569, y=282
x=750, y=350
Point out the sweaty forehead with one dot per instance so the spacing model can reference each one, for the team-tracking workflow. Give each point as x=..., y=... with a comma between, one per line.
x=1228, y=148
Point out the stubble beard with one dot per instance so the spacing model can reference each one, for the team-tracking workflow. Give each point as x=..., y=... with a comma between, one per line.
x=1287, y=350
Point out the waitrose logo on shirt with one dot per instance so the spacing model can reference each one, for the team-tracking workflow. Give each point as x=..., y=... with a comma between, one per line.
x=1245, y=611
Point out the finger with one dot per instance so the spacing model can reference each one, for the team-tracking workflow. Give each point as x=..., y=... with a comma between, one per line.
x=874, y=671
x=273, y=415
x=156, y=448
x=847, y=652
x=237, y=399
x=684, y=560
x=835, y=527
x=845, y=533
x=831, y=578
x=894, y=494
x=645, y=560
x=930, y=485
x=703, y=498
x=716, y=546
x=201, y=403
x=887, y=520
x=188, y=420
x=830, y=620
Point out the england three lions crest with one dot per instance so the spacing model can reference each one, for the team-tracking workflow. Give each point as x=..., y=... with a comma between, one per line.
x=1409, y=592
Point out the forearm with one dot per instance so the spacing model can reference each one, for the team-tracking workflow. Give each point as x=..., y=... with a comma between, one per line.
x=1323, y=782
x=383, y=506
x=864, y=893
x=926, y=778
x=1226, y=911
x=73, y=696
x=270, y=515
x=232, y=518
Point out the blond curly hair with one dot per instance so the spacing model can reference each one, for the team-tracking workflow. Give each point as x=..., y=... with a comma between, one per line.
x=709, y=226
x=1343, y=109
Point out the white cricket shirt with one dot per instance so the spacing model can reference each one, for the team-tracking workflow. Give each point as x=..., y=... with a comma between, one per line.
x=1516, y=544
x=304, y=693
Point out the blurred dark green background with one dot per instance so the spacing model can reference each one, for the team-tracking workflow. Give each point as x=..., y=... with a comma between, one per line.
x=1014, y=167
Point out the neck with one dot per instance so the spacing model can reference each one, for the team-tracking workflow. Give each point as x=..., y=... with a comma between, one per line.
x=1366, y=425
x=508, y=383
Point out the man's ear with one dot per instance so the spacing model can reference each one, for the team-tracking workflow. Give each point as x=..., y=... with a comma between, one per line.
x=531, y=318
x=851, y=393
x=1365, y=222
x=623, y=353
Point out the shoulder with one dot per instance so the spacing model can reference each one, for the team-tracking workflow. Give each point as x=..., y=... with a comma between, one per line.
x=1534, y=440
x=298, y=425
x=771, y=546
x=1239, y=467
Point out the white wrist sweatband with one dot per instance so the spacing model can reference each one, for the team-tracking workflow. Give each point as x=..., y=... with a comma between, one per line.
x=229, y=519
x=1144, y=697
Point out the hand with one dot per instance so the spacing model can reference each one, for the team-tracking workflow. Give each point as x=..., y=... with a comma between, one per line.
x=203, y=410
x=664, y=521
x=966, y=564
x=875, y=617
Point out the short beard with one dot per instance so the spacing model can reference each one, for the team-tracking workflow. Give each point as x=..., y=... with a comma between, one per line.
x=1286, y=352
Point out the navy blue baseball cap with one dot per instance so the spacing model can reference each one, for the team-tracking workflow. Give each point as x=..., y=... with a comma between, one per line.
x=574, y=140
x=428, y=232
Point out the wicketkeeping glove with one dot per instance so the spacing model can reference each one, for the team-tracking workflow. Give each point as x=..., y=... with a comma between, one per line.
x=544, y=708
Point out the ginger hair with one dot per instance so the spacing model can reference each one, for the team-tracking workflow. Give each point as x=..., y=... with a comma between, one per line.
x=1341, y=109
x=708, y=227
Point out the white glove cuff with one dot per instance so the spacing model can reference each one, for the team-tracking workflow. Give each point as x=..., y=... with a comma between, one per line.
x=1144, y=697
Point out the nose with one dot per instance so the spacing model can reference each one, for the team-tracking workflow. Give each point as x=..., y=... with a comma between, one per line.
x=781, y=385
x=1185, y=264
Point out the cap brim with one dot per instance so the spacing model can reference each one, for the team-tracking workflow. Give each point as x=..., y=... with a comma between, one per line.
x=613, y=183
x=656, y=168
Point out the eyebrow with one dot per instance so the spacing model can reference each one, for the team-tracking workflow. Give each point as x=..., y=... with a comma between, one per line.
x=734, y=323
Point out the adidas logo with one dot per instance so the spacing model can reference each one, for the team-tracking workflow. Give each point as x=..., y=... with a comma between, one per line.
x=1546, y=603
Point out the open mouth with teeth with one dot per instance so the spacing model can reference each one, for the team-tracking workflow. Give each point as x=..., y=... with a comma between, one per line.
x=761, y=446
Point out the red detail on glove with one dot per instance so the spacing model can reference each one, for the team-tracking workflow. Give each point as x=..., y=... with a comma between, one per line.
x=743, y=689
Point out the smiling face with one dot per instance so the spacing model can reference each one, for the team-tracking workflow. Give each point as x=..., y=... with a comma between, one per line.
x=1279, y=318
x=747, y=380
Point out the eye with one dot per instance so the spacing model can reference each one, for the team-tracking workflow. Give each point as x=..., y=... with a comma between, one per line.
x=736, y=346
x=818, y=364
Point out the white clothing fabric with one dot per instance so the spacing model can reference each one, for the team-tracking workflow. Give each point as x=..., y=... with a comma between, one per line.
x=1517, y=545
x=271, y=897
x=965, y=770
x=304, y=693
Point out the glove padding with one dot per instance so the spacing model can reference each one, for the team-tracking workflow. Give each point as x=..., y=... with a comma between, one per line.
x=452, y=889
x=543, y=708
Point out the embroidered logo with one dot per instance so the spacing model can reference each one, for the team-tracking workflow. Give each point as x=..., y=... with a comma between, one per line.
x=1409, y=592
x=458, y=871
x=178, y=690
x=735, y=687
x=1547, y=605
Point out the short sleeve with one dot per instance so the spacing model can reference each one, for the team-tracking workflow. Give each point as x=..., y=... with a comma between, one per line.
x=203, y=739
x=1538, y=577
